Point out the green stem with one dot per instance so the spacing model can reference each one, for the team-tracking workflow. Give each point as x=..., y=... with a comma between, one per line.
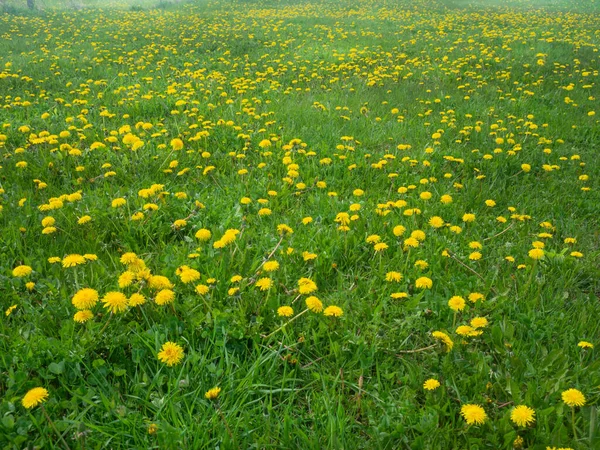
x=285, y=324
x=573, y=422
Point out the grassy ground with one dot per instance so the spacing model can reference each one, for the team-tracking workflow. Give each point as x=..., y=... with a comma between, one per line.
x=353, y=124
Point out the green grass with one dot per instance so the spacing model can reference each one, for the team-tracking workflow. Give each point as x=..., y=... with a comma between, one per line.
x=349, y=83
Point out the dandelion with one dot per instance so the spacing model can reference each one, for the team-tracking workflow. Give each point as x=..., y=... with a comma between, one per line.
x=393, y=276
x=573, y=397
x=72, y=260
x=456, y=303
x=264, y=283
x=85, y=298
x=136, y=300
x=379, y=247
x=270, y=266
x=34, y=397
x=431, y=384
x=333, y=311
x=423, y=283
x=306, y=286
x=164, y=297
x=213, y=393
x=285, y=311
x=115, y=302
x=21, y=271
x=473, y=414
x=522, y=415
x=83, y=316
x=436, y=222
x=444, y=338
x=189, y=275
x=202, y=289
x=314, y=304
x=536, y=253
x=585, y=344
x=170, y=354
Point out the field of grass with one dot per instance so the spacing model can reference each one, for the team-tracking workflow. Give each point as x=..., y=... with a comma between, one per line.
x=370, y=224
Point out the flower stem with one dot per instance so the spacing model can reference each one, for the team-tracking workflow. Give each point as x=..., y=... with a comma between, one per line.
x=54, y=428
x=285, y=324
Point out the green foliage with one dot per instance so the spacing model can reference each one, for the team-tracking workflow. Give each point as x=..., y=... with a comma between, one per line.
x=323, y=115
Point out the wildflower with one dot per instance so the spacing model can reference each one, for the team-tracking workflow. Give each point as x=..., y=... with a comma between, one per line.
x=34, y=397
x=373, y=239
x=473, y=414
x=164, y=297
x=72, y=260
x=314, y=304
x=475, y=256
x=398, y=295
x=399, y=230
x=285, y=311
x=421, y=264
x=393, y=276
x=479, y=322
x=431, y=384
x=84, y=219
x=270, y=266
x=152, y=428
x=436, y=222
x=423, y=283
x=573, y=397
x=83, y=316
x=171, y=353
x=21, y=271
x=444, y=338
x=522, y=415
x=179, y=224
x=585, y=344
x=213, y=393
x=118, y=202
x=189, y=275
x=9, y=310
x=446, y=199
x=379, y=247
x=115, y=302
x=456, y=303
x=264, y=283
x=158, y=282
x=536, y=253
x=468, y=217
x=136, y=300
x=306, y=286
x=126, y=279
x=334, y=311
x=202, y=289
x=85, y=298
x=474, y=297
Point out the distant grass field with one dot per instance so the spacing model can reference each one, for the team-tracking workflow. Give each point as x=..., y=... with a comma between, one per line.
x=367, y=224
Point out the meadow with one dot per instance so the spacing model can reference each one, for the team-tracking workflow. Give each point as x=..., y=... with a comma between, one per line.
x=276, y=224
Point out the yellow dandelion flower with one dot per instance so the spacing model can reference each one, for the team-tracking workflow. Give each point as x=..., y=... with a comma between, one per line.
x=431, y=384
x=573, y=397
x=473, y=414
x=285, y=311
x=171, y=354
x=333, y=311
x=85, y=298
x=522, y=415
x=115, y=302
x=34, y=397
x=213, y=393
